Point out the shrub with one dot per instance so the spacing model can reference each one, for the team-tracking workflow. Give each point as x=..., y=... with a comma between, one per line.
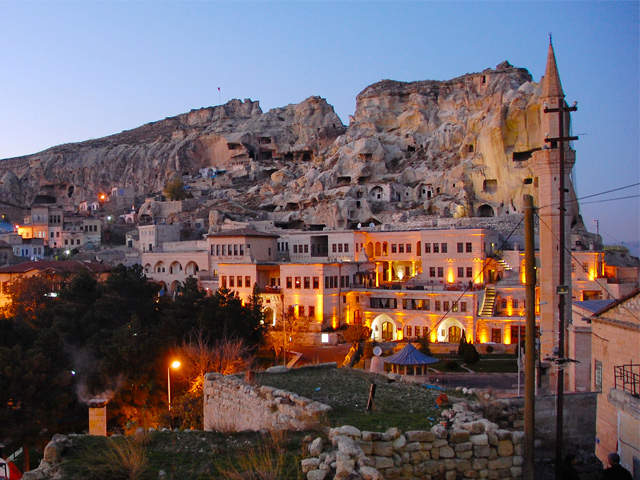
x=424, y=345
x=367, y=350
x=356, y=334
x=463, y=345
x=470, y=354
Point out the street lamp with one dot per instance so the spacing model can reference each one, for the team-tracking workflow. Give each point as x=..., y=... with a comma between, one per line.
x=174, y=365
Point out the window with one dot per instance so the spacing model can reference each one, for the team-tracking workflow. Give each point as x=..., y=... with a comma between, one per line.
x=241, y=249
x=427, y=248
x=409, y=331
x=460, y=247
x=326, y=282
x=443, y=247
x=339, y=248
x=289, y=283
x=224, y=250
x=239, y=282
x=463, y=306
x=334, y=247
x=454, y=307
x=346, y=248
x=469, y=247
x=503, y=303
x=316, y=282
x=445, y=305
x=357, y=317
x=301, y=310
x=436, y=248
x=460, y=272
x=514, y=303
x=231, y=281
x=247, y=281
x=235, y=250
x=440, y=272
x=295, y=249
x=469, y=272
x=394, y=248
x=401, y=248
x=306, y=248
x=312, y=312
x=432, y=271
x=408, y=248
x=224, y=281
x=307, y=282
x=425, y=331
x=298, y=282
x=597, y=378
x=438, y=305
x=385, y=249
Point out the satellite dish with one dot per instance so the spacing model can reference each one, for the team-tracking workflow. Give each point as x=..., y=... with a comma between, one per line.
x=359, y=226
x=371, y=225
x=377, y=351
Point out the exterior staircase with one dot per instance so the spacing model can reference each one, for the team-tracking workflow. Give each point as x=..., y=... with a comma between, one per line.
x=504, y=264
x=489, y=302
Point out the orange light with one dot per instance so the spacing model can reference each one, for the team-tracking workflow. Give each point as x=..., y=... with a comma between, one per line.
x=507, y=336
x=450, y=277
x=483, y=338
x=434, y=336
x=175, y=364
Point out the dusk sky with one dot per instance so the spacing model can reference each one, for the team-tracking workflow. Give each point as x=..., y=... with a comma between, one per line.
x=71, y=71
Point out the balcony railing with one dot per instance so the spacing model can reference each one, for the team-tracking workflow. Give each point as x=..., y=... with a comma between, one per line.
x=627, y=378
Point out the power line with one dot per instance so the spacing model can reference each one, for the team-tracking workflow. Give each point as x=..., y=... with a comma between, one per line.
x=594, y=195
x=542, y=222
x=611, y=199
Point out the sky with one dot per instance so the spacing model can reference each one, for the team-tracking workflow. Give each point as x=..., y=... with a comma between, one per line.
x=72, y=71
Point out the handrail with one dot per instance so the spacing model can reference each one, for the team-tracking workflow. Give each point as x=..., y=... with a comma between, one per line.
x=626, y=379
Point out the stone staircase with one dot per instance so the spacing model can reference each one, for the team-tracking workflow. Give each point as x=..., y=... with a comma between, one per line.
x=489, y=302
x=504, y=264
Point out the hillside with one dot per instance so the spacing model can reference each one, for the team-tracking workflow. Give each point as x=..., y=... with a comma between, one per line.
x=414, y=152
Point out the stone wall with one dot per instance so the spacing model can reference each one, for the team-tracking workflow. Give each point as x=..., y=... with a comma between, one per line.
x=476, y=449
x=232, y=405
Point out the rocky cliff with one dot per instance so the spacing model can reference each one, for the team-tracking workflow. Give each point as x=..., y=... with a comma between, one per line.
x=413, y=152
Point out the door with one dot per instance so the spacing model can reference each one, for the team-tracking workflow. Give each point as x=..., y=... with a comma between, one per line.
x=387, y=332
x=455, y=334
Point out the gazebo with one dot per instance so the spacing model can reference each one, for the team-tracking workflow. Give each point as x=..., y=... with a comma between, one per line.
x=409, y=361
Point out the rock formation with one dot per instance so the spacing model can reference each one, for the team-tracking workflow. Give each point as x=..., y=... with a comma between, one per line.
x=415, y=152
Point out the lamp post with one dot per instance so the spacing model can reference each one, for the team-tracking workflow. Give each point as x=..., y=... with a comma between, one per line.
x=174, y=365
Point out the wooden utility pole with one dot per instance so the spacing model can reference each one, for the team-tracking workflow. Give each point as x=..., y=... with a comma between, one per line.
x=530, y=337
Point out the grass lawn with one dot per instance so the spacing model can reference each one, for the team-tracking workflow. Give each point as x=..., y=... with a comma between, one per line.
x=407, y=406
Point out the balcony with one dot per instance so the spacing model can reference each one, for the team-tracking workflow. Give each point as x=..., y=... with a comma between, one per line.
x=627, y=378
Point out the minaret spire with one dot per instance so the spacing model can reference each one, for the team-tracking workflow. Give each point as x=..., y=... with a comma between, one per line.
x=551, y=86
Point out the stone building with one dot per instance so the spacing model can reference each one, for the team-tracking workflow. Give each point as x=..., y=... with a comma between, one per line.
x=616, y=378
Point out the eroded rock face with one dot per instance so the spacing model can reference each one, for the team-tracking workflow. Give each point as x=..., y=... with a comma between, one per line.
x=413, y=152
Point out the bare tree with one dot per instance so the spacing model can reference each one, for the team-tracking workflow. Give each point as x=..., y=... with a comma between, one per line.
x=199, y=356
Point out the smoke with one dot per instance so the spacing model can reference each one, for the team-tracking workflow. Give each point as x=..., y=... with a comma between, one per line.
x=86, y=397
x=85, y=366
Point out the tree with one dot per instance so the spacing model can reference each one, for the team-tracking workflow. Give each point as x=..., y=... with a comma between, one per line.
x=355, y=334
x=175, y=190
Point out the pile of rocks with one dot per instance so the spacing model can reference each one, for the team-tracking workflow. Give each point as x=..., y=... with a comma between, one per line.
x=477, y=449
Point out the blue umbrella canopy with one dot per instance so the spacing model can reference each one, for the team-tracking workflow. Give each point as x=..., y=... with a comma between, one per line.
x=409, y=355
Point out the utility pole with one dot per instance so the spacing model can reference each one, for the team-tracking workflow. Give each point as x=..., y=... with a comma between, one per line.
x=530, y=334
x=562, y=289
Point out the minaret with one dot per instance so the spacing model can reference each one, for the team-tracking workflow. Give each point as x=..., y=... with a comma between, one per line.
x=548, y=163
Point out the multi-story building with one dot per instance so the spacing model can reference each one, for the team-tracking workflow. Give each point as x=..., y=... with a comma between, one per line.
x=60, y=229
x=616, y=378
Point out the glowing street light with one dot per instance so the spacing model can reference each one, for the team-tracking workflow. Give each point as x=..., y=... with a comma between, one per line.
x=175, y=365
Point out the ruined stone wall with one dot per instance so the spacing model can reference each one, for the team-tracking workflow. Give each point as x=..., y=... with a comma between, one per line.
x=232, y=405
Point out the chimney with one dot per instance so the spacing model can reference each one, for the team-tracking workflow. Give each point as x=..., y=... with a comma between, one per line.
x=98, y=417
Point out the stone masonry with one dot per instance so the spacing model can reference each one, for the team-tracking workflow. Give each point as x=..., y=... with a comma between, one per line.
x=476, y=449
x=232, y=405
